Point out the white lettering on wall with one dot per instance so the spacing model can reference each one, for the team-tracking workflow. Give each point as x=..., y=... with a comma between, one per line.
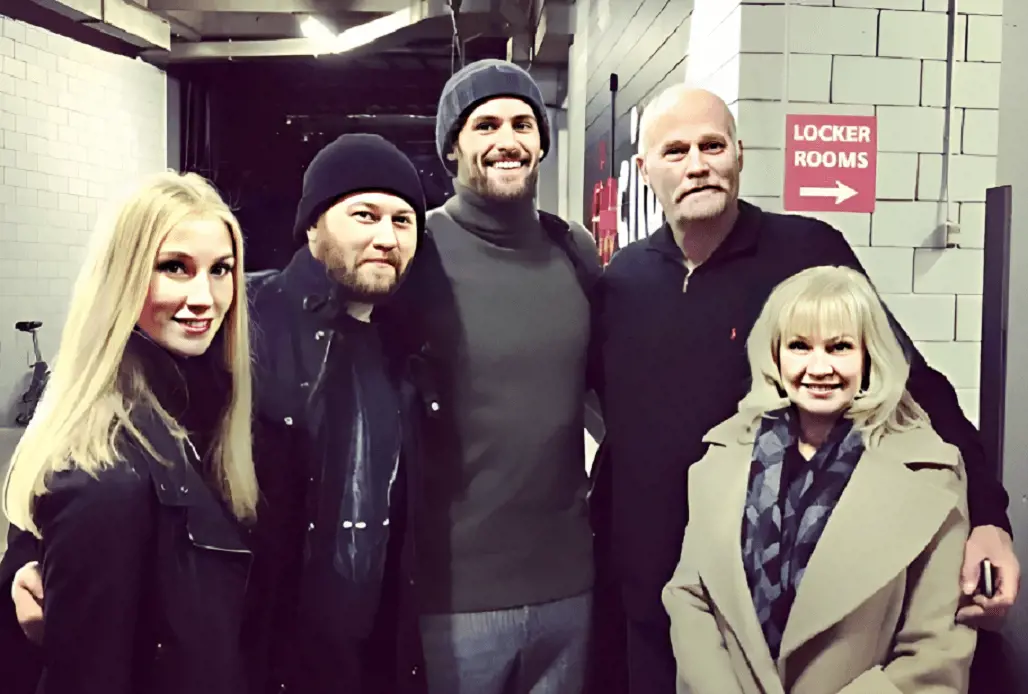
x=831, y=133
x=830, y=160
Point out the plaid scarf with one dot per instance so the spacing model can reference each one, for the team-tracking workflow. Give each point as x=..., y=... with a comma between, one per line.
x=781, y=526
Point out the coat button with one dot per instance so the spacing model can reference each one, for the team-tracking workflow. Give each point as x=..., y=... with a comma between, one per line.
x=320, y=334
x=288, y=421
x=434, y=406
x=184, y=489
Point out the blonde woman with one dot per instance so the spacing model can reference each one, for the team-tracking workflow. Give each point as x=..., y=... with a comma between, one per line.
x=136, y=472
x=827, y=520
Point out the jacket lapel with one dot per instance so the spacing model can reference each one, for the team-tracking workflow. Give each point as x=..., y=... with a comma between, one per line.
x=885, y=518
x=208, y=522
x=727, y=469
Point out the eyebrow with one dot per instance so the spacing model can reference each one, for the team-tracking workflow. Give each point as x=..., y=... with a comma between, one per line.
x=182, y=255
x=378, y=208
x=485, y=117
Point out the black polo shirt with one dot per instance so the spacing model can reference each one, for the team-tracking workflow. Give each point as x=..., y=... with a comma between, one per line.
x=674, y=366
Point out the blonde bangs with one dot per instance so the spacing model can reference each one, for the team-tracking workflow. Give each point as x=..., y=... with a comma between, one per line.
x=825, y=315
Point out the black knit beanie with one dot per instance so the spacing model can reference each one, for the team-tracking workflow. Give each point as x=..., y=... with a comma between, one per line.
x=479, y=82
x=357, y=163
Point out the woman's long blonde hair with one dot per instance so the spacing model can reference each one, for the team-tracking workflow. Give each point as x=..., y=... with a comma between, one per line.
x=826, y=301
x=86, y=408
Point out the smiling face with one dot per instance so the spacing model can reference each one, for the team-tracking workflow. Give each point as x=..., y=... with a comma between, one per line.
x=498, y=150
x=822, y=374
x=690, y=157
x=192, y=287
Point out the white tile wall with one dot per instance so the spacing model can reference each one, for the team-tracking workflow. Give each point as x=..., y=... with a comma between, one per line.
x=917, y=35
x=74, y=121
x=887, y=58
x=975, y=85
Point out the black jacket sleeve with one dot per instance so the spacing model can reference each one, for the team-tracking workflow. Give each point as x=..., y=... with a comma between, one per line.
x=987, y=498
x=21, y=661
x=96, y=536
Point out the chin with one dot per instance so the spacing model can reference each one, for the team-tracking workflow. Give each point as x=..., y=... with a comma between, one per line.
x=190, y=349
x=702, y=212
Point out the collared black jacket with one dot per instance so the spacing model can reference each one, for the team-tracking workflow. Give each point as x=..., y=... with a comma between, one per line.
x=674, y=365
x=144, y=567
x=294, y=321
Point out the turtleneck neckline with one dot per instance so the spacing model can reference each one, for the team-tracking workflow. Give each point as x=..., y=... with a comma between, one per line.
x=504, y=223
x=194, y=390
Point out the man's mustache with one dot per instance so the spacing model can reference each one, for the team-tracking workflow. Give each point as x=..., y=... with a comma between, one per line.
x=695, y=189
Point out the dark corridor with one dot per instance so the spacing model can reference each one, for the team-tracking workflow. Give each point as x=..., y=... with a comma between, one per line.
x=253, y=126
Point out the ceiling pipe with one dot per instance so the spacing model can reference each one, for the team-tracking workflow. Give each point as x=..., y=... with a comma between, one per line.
x=126, y=21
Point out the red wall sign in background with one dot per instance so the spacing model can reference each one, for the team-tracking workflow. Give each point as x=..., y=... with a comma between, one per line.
x=831, y=163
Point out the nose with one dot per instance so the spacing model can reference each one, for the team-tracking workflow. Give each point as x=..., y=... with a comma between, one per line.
x=819, y=364
x=385, y=235
x=696, y=163
x=199, y=296
x=505, y=137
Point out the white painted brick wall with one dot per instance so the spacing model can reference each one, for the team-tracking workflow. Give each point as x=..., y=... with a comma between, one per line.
x=887, y=58
x=74, y=122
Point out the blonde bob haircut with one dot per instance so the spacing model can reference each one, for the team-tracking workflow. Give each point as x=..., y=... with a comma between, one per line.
x=85, y=413
x=827, y=302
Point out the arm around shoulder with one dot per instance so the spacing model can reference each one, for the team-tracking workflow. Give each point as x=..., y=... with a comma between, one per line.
x=21, y=659
x=96, y=536
x=703, y=663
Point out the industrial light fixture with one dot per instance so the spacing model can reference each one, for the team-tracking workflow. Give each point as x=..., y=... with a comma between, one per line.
x=314, y=29
x=355, y=36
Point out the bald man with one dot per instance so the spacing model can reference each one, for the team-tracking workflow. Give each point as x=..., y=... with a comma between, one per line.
x=674, y=313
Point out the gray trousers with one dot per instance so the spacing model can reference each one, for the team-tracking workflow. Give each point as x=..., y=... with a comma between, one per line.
x=539, y=649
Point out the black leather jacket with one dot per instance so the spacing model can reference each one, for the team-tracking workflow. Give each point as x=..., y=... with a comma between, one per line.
x=295, y=325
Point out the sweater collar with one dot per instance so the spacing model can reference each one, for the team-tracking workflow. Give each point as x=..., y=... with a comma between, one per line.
x=504, y=223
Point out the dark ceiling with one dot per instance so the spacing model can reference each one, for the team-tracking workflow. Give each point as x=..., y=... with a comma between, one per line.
x=253, y=126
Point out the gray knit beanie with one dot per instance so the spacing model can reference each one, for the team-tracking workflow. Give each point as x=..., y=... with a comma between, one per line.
x=478, y=82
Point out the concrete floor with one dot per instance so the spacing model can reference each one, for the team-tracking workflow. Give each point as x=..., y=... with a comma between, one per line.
x=8, y=440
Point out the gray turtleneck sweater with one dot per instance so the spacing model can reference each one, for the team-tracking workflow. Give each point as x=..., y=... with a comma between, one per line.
x=505, y=523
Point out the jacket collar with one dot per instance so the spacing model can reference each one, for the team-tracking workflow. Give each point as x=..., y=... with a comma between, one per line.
x=741, y=240
x=306, y=279
x=181, y=483
x=884, y=499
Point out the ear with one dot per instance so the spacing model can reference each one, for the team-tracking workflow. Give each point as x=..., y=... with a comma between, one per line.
x=739, y=153
x=640, y=163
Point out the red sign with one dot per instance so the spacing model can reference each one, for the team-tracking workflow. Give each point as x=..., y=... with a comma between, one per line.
x=605, y=218
x=831, y=163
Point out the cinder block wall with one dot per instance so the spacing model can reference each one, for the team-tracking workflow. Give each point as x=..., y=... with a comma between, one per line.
x=75, y=121
x=886, y=58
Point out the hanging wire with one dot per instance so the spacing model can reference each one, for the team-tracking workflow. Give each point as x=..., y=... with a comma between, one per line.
x=456, y=45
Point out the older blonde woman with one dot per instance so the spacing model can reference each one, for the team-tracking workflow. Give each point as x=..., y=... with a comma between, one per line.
x=828, y=519
x=136, y=471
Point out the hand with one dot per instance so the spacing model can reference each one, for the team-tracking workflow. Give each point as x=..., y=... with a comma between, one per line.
x=27, y=594
x=994, y=544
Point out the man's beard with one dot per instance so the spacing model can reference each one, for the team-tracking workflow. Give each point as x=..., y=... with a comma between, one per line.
x=359, y=289
x=484, y=186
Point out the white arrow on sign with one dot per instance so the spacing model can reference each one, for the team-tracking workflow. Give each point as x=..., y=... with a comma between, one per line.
x=841, y=192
